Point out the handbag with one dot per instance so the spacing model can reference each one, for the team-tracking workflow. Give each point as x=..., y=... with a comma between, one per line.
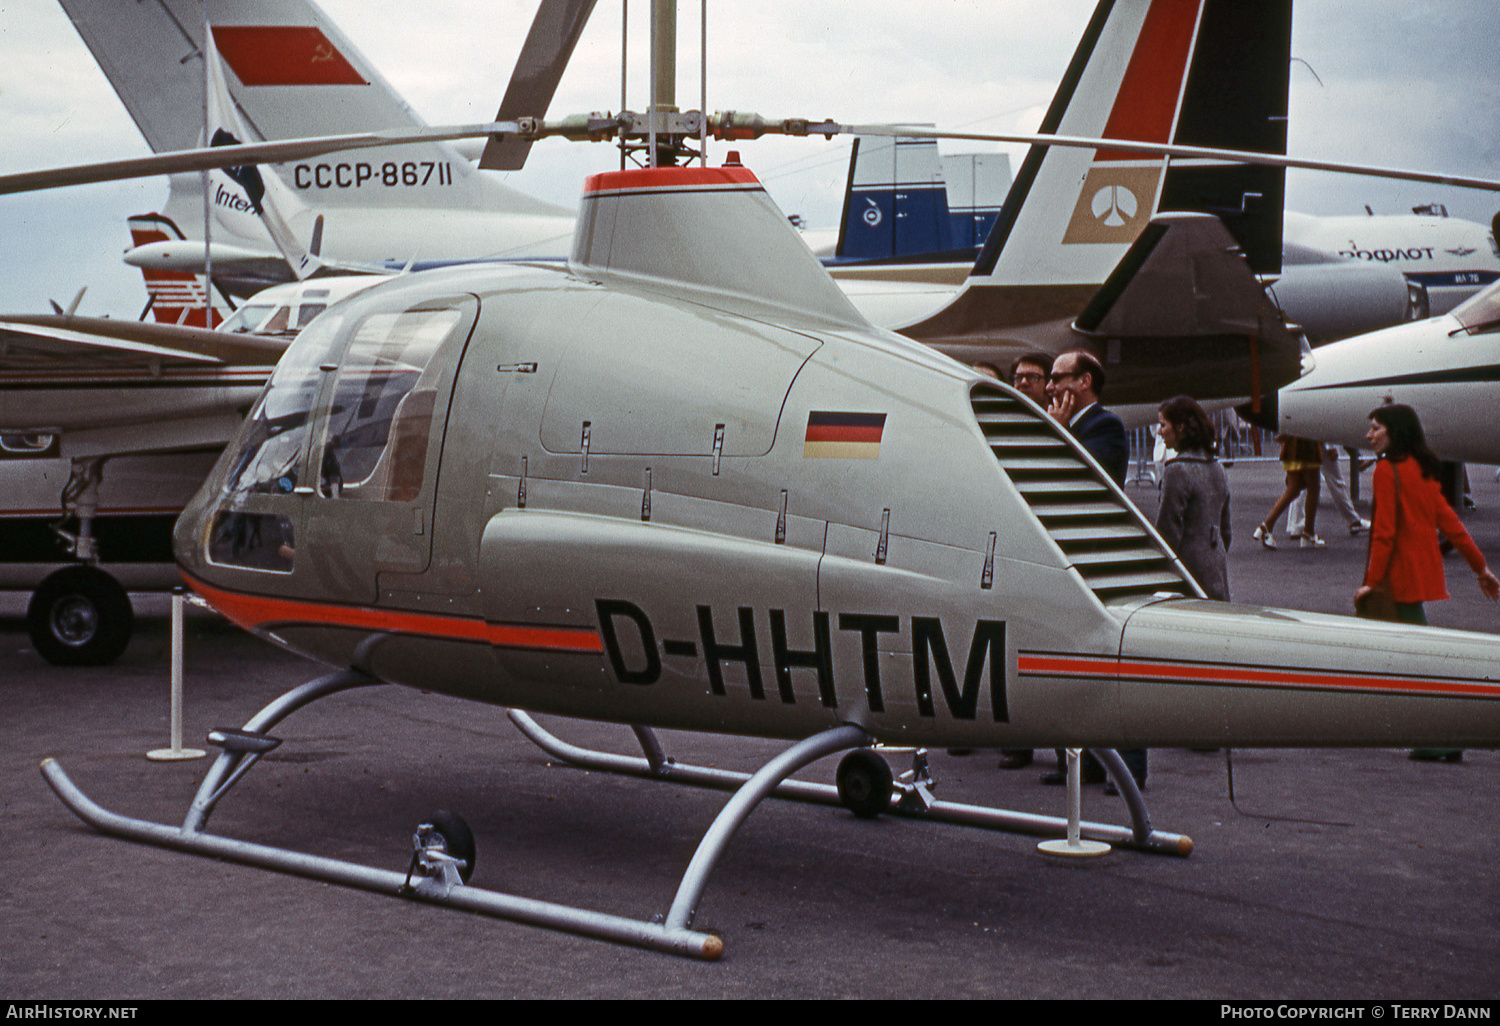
x=1379, y=603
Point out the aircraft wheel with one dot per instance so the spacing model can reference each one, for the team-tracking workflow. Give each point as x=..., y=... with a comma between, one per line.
x=80, y=616
x=865, y=783
x=457, y=839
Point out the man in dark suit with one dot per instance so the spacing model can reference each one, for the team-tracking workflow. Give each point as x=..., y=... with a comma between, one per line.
x=1074, y=388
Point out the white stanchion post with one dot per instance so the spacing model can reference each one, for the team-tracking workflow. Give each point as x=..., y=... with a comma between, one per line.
x=1074, y=846
x=176, y=752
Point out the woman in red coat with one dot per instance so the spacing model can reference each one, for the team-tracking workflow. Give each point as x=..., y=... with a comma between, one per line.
x=1409, y=510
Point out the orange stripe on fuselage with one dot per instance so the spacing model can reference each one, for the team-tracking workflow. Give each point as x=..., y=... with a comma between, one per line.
x=256, y=612
x=1231, y=675
x=668, y=178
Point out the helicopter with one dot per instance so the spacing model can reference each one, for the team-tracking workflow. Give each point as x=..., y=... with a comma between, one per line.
x=683, y=483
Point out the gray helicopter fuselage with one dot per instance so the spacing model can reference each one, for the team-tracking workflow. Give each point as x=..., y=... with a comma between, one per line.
x=631, y=507
x=686, y=484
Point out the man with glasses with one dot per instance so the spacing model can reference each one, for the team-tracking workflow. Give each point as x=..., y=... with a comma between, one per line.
x=1074, y=388
x=1029, y=376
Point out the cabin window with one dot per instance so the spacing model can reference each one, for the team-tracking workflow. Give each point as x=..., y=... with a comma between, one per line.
x=307, y=311
x=255, y=541
x=380, y=417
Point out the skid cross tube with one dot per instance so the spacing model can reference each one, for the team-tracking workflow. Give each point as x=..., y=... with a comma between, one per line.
x=234, y=762
x=657, y=766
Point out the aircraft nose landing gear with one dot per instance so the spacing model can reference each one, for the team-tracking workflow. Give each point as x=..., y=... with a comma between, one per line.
x=80, y=616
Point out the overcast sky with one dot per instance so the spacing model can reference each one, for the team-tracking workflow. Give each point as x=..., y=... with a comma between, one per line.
x=1403, y=83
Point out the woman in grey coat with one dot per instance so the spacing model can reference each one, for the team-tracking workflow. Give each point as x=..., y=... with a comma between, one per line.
x=1194, y=514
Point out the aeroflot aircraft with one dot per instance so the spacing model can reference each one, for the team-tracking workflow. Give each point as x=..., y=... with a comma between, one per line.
x=293, y=73
x=1449, y=257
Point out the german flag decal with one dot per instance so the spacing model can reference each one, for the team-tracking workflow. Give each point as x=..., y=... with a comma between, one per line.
x=843, y=436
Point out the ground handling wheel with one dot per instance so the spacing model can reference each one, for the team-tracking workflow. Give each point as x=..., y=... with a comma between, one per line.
x=444, y=834
x=865, y=783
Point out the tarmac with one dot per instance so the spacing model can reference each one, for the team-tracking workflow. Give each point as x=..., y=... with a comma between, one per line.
x=1334, y=874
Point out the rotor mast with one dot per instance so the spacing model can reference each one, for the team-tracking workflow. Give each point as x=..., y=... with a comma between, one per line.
x=663, y=144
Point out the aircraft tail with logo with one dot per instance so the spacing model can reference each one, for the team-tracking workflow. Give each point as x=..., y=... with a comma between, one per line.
x=291, y=73
x=1072, y=233
x=173, y=297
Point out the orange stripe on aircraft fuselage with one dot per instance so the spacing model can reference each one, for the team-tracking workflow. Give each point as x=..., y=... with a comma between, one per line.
x=258, y=612
x=1232, y=675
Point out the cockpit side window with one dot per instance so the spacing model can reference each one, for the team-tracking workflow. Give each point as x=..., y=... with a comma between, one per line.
x=251, y=529
x=278, y=321
x=246, y=319
x=380, y=416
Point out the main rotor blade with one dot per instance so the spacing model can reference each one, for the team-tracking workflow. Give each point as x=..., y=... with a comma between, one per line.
x=1172, y=150
x=274, y=152
x=544, y=57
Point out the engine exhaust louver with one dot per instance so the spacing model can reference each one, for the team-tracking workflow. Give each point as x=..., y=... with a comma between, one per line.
x=1102, y=536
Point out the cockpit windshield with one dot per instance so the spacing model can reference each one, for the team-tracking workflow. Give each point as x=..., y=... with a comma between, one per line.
x=277, y=426
x=1480, y=312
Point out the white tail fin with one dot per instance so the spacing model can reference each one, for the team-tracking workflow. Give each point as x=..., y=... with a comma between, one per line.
x=1207, y=72
x=290, y=72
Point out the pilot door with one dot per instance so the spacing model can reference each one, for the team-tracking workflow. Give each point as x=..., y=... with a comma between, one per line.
x=374, y=460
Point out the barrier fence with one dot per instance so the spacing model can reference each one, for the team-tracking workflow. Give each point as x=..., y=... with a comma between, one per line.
x=1238, y=442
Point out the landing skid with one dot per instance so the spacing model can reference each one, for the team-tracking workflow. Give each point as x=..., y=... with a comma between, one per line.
x=911, y=797
x=436, y=874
